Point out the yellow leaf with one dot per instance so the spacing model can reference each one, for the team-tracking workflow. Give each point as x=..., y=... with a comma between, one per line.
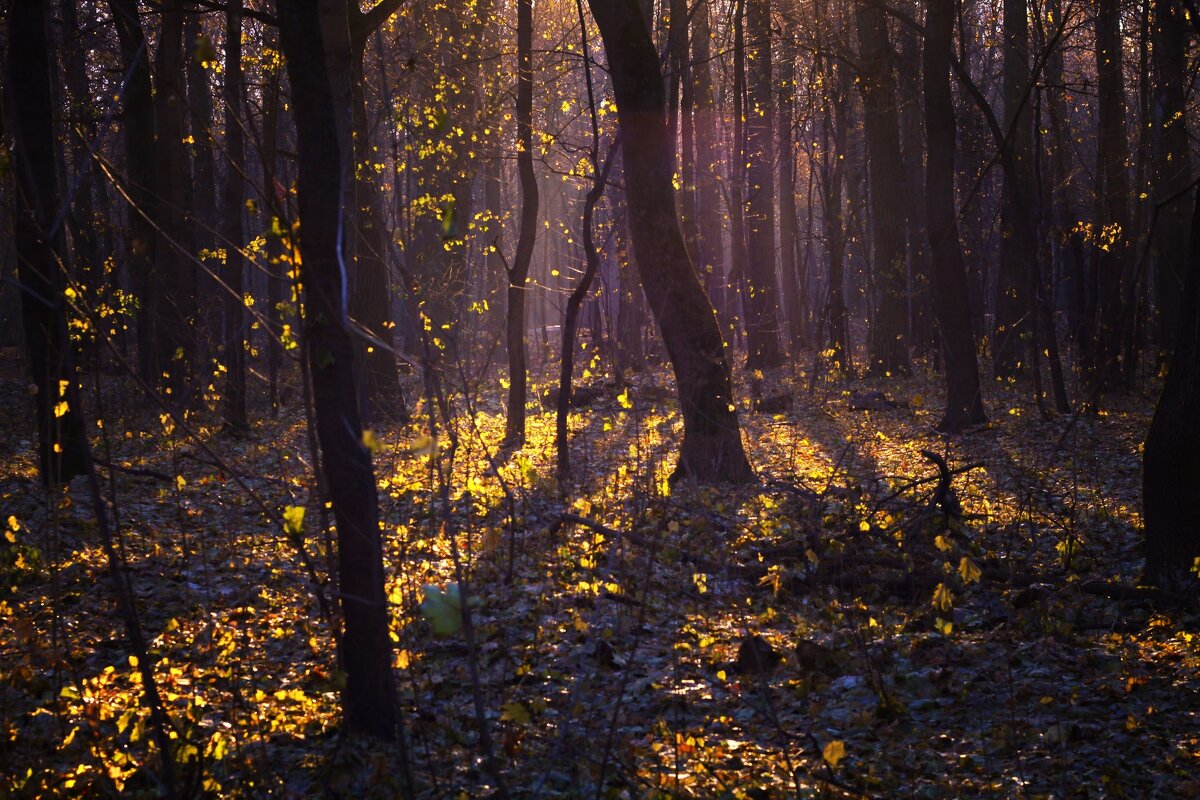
x=834, y=752
x=370, y=441
x=180, y=482
x=293, y=520
x=943, y=600
x=61, y=408
x=864, y=526
x=623, y=399
x=514, y=712
x=942, y=543
x=944, y=627
x=969, y=571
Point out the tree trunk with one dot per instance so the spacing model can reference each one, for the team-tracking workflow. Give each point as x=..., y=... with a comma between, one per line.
x=233, y=273
x=518, y=274
x=365, y=648
x=62, y=442
x=1171, y=465
x=1171, y=161
x=789, y=270
x=138, y=108
x=712, y=445
x=710, y=246
x=964, y=403
x=1113, y=178
x=760, y=297
x=888, y=346
x=175, y=310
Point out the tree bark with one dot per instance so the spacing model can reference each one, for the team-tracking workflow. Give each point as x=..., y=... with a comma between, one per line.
x=1171, y=163
x=62, y=442
x=964, y=402
x=712, y=445
x=760, y=298
x=888, y=347
x=1171, y=465
x=365, y=648
x=518, y=274
x=233, y=274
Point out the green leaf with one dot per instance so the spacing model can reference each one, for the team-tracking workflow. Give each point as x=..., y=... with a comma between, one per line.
x=443, y=609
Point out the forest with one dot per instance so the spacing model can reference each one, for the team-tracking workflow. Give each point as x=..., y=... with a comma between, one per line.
x=600, y=398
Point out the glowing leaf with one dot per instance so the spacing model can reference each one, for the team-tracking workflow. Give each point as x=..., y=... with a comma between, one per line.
x=834, y=752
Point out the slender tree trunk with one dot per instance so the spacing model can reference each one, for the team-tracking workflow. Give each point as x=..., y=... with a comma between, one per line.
x=201, y=193
x=710, y=247
x=365, y=648
x=888, y=346
x=234, y=270
x=62, y=442
x=964, y=402
x=712, y=445
x=738, y=255
x=518, y=274
x=760, y=298
x=1113, y=178
x=789, y=221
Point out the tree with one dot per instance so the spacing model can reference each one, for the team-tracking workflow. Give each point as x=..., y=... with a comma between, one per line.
x=518, y=273
x=760, y=298
x=712, y=445
x=1171, y=465
x=234, y=334
x=365, y=649
x=964, y=403
x=1171, y=162
x=62, y=443
x=888, y=347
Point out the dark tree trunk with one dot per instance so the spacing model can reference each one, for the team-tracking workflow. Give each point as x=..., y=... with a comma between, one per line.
x=1012, y=285
x=710, y=246
x=789, y=270
x=738, y=256
x=234, y=337
x=365, y=648
x=908, y=71
x=1171, y=466
x=200, y=193
x=760, y=297
x=1113, y=179
x=62, y=443
x=964, y=403
x=712, y=445
x=514, y=427
x=834, y=127
x=1171, y=163
x=888, y=345
x=175, y=309
x=85, y=223
x=371, y=292
x=138, y=115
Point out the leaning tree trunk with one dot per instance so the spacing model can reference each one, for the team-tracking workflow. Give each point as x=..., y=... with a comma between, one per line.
x=712, y=444
x=365, y=648
x=518, y=273
x=888, y=345
x=1171, y=465
x=62, y=443
x=964, y=403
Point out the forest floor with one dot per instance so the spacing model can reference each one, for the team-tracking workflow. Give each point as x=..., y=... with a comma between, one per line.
x=829, y=632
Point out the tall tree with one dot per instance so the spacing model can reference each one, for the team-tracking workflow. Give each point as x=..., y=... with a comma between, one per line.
x=233, y=274
x=760, y=297
x=964, y=402
x=888, y=346
x=710, y=246
x=365, y=648
x=1171, y=159
x=41, y=273
x=518, y=273
x=141, y=176
x=174, y=308
x=1112, y=153
x=711, y=450
x=1171, y=465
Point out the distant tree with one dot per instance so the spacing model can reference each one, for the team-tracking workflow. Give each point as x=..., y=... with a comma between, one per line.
x=711, y=450
x=518, y=273
x=888, y=345
x=964, y=402
x=41, y=275
x=365, y=649
x=233, y=273
x=760, y=298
